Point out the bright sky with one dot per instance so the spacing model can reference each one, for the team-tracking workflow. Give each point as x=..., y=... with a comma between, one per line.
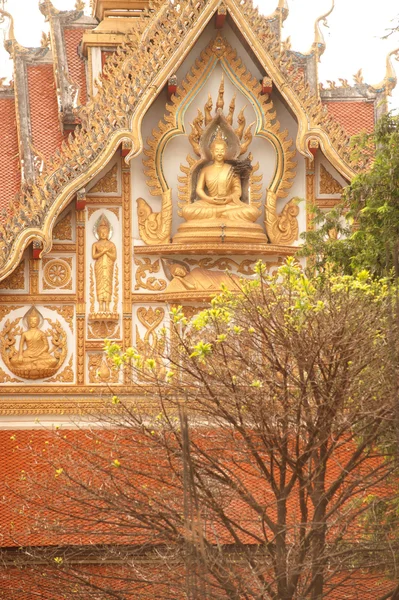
x=353, y=37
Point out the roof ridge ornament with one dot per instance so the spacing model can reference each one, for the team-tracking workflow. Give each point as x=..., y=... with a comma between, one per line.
x=390, y=80
x=281, y=11
x=47, y=8
x=9, y=39
x=319, y=44
x=11, y=44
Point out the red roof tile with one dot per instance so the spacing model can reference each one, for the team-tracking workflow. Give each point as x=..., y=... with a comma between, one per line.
x=46, y=132
x=76, y=65
x=31, y=452
x=10, y=176
x=353, y=116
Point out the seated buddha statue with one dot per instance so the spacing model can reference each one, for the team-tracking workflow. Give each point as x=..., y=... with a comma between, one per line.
x=33, y=347
x=219, y=191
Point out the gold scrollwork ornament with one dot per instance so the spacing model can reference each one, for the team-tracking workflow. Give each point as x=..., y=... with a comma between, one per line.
x=152, y=284
x=155, y=228
x=282, y=228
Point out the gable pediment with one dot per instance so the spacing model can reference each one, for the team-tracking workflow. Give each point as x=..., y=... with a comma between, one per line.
x=130, y=83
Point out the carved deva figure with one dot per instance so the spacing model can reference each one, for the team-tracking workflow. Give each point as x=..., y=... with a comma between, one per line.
x=219, y=200
x=33, y=359
x=104, y=253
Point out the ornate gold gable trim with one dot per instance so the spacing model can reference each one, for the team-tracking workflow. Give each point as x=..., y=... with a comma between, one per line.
x=220, y=52
x=131, y=81
x=328, y=184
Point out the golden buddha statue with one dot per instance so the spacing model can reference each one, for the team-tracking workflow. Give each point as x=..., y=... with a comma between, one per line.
x=219, y=190
x=104, y=253
x=219, y=201
x=34, y=354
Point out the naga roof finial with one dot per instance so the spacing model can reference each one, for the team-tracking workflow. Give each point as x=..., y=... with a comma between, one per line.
x=319, y=44
x=390, y=80
x=283, y=9
x=9, y=40
x=281, y=12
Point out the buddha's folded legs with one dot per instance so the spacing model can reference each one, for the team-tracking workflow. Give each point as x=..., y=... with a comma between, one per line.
x=203, y=210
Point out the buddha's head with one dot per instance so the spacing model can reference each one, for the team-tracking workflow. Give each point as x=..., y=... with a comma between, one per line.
x=33, y=322
x=33, y=318
x=177, y=270
x=218, y=149
x=103, y=232
x=103, y=229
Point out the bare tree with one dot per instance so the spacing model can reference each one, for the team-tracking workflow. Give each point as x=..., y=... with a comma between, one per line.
x=251, y=466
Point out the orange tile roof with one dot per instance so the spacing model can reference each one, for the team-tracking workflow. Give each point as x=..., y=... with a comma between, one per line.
x=352, y=115
x=22, y=453
x=10, y=175
x=46, y=132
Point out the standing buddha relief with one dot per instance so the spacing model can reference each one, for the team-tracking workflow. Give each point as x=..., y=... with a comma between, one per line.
x=104, y=255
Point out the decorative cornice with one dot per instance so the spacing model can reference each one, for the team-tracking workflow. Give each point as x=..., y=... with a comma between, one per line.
x=219, y=249
x=152, y=51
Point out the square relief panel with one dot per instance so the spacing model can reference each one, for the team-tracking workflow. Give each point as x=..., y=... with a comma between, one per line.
x=57, y=274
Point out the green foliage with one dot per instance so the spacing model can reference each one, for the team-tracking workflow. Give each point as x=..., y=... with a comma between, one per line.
x=367, y=219
x=297, y=374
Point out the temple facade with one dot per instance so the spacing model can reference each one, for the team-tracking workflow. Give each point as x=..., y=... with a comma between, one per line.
x=150, y=154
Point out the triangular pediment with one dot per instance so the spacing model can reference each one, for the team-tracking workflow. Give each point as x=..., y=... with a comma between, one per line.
x=131, y=81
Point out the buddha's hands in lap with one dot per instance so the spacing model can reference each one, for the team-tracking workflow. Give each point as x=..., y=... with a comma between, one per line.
x=221, y=200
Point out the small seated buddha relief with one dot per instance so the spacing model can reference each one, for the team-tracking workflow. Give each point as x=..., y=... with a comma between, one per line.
x=32, y=357
x=216, y=199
